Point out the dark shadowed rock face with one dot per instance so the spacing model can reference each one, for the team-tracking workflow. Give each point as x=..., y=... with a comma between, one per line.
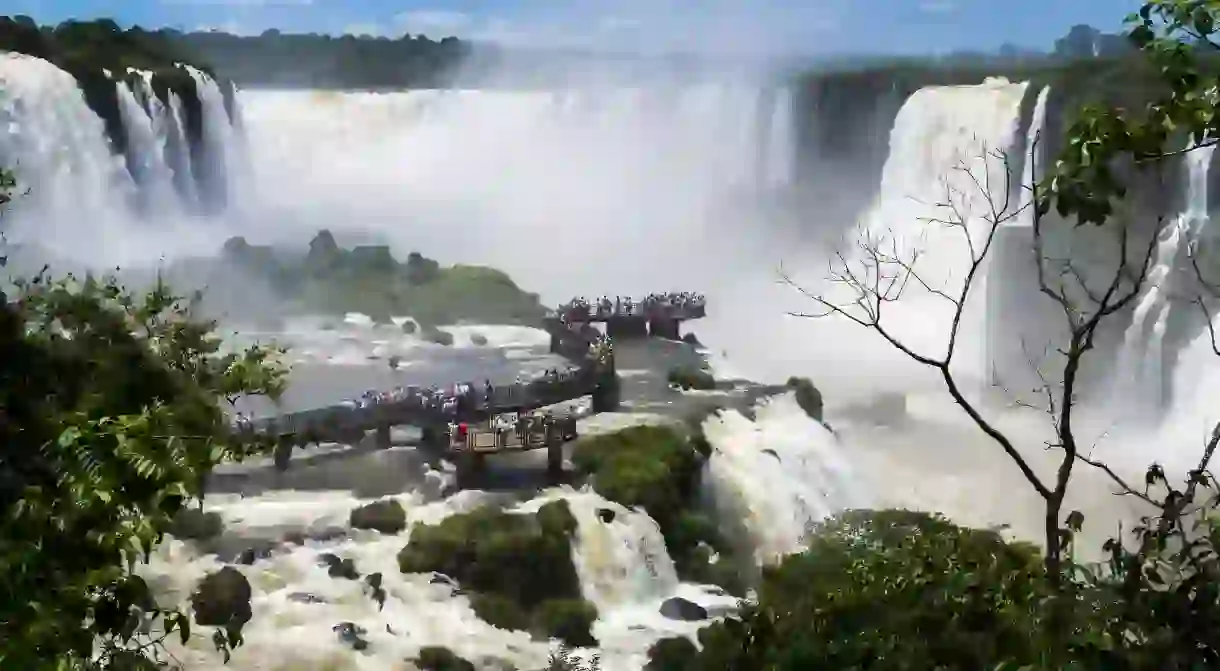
x=222, y=599
x=677, y=608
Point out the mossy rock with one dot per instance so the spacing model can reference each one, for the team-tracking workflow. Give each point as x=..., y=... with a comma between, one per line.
x=690, y=378
x=435, y=658
x=807, y=396
x=676, y=653
x=196, y=524
x=409, y=327
x=512, y=562
x=387, y=516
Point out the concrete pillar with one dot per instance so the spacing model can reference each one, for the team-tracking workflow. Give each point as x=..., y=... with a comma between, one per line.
x=554, y=455
x=383, y=436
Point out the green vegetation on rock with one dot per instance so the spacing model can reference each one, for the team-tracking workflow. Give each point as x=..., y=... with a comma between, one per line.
x=657, y=468
x=369, y=279
x=516, y=567
x=441, y=659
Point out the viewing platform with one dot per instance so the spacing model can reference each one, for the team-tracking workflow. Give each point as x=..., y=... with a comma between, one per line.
x=478, y=409
x=656, y=315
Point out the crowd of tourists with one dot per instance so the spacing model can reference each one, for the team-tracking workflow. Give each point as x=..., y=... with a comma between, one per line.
x=652, y=306
x=460, y=396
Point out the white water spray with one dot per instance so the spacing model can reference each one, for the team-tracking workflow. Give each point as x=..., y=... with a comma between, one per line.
x=1139, y=379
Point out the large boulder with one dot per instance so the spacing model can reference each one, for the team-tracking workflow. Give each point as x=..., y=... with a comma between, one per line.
x=677, y=608
x=222, y=599
x=478, y=339
x=196, y=524
x=434, y=335
x=387, y=516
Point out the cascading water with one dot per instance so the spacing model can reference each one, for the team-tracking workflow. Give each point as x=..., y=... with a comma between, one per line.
x=146, y=153
x=58, y=148
x=943, y=174
x=779, y=474
x=1139, y=388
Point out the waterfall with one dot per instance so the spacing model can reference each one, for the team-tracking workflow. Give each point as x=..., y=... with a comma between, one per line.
x=85, y=203
x=778, y=474
x=146, y=145
x=1021, y=322
x=1140, y=387
x=184, y=174
x=219, y=142
x=943, y=174
x=59, y=150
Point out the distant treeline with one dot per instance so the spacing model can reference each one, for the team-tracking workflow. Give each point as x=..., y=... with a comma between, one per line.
x=323, y=61
x=275, y=59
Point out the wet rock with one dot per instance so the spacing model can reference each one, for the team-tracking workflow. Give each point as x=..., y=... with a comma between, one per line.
x=254, y=553
x=605, y=515
x=677, y=608
x=337, y=567
x=394, y=361
x=767, y=450
x=478, y=339
x=434, y=658
x=387, y=516
x=690, y=339
x=437, y=336
x=320, y=535
x=442, y=579
x=222, y=599
x=807, y=396
x=195, y=524
x=352, y=634
x=409, y=327
x=305, y=597
x=373, y=582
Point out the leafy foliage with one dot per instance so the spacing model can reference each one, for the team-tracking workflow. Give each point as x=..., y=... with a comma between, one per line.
x=112, y=415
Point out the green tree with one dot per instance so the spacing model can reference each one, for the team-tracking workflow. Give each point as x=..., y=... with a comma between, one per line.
x=111, y=416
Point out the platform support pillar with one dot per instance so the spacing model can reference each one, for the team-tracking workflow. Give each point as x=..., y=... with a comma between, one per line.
x=470, y=465
x=554, y=453
x=382, y=436
x=283, y=452
x=664, y=328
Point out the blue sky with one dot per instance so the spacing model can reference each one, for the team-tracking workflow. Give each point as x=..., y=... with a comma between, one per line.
x=807, y=26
